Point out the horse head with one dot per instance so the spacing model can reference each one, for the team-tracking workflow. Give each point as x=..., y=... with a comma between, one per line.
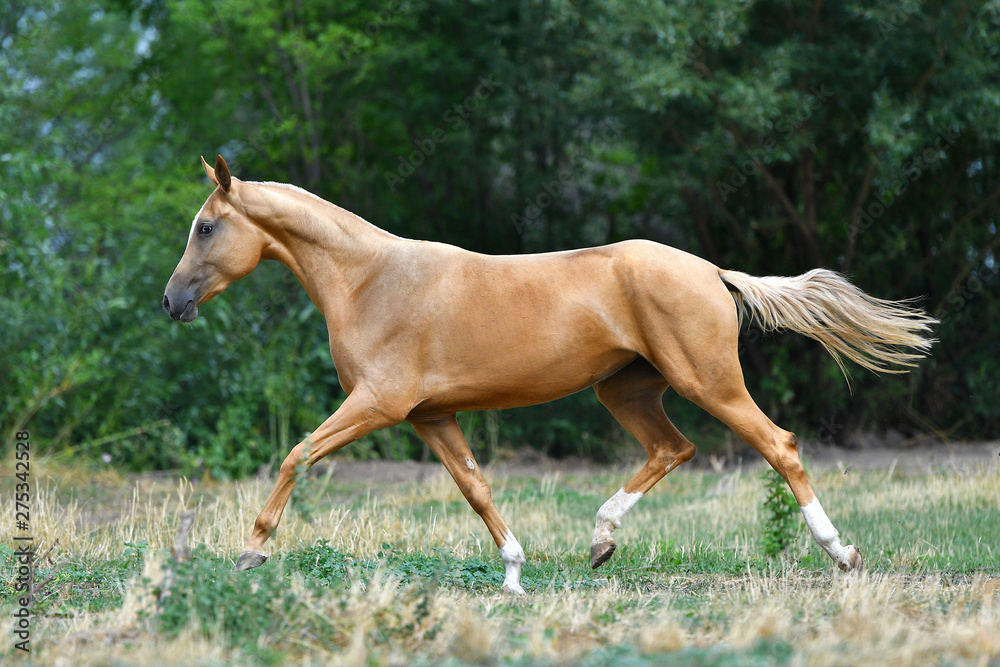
x=223, y=246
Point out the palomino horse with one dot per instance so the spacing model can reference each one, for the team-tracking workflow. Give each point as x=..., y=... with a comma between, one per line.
x=420, y=331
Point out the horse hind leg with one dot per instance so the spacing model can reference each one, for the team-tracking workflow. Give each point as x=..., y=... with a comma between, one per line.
x=699, y=356
x=634, y=396
x=780, y=449
x=727, y=399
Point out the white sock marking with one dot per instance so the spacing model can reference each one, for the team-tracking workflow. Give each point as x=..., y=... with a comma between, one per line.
x=609, y=517
x=824, y=533
x=513, y=559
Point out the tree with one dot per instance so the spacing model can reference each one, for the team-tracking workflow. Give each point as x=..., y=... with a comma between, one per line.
x=771, y=137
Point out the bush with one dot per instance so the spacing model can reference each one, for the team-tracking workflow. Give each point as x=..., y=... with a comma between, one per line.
x=780, y=515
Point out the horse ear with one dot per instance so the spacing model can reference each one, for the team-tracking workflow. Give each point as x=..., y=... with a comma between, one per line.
x=209, y=171
x=222, y=174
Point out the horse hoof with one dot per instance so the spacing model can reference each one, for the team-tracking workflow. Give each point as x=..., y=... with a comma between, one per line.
x=600, y=553
x=854, y=562
x=512, y=589
x=249, y=560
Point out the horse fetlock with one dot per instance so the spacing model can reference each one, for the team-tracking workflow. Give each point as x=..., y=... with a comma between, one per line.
x=602, y=531
x=512, y=588
x=852, y=561
x=609, y=517
x=263, y=528
x=847, y=558
x=607, y=522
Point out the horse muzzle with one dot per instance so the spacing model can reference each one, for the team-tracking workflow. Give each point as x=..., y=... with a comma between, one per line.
x=183, y=307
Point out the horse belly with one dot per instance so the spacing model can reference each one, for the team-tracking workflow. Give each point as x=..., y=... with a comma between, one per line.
x=525, y=356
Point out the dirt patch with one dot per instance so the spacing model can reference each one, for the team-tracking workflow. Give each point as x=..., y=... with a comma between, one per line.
x=963, y=456
x=384, y=473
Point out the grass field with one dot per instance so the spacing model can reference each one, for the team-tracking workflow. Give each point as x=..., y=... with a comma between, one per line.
x=405, y=573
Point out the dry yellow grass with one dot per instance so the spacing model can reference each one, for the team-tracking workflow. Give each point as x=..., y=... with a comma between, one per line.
x=905, y=613
x=864, y=620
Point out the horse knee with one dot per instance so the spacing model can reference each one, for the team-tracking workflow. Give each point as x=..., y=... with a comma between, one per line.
x=479, y=495
x=265, y=523
x=291, y=463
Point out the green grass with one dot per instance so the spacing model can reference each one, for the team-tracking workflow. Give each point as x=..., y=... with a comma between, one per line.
x=407, y=573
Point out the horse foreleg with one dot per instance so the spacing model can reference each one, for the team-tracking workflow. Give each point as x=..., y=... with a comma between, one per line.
x=357, y=416
x=446, y=440
x=634, y=396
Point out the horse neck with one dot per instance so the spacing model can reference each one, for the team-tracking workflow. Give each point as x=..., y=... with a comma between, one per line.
x=329, y=249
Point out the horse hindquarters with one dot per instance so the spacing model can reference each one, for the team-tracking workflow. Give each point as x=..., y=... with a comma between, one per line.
x=700, y=359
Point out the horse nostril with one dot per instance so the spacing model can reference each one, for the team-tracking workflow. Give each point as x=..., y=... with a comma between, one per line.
x=166, y=303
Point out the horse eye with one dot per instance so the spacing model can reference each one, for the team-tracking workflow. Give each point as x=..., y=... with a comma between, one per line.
x=205, y=229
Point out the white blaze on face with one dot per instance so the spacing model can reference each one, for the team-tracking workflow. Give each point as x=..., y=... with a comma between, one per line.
x=513, y=559
x=469, y=463
x=609, y=517
x=194, y=223
x=824, y=533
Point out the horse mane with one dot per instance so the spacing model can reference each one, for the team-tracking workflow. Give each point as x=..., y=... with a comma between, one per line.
x=303, y=191
x=287, y=186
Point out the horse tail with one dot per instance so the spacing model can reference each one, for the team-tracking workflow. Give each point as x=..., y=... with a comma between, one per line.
x=880, y=335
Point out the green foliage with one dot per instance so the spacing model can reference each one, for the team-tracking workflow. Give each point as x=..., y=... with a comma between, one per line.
x=780, y=515
x=207, y=594
x=771, y=137
x=323, y=565
x=71, y=587
x=258, y=611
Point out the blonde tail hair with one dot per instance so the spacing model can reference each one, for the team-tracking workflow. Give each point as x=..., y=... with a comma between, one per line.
x=824, y=305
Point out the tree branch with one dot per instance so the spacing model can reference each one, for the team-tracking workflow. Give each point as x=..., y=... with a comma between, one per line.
x=956, y=229
x=859, y=201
